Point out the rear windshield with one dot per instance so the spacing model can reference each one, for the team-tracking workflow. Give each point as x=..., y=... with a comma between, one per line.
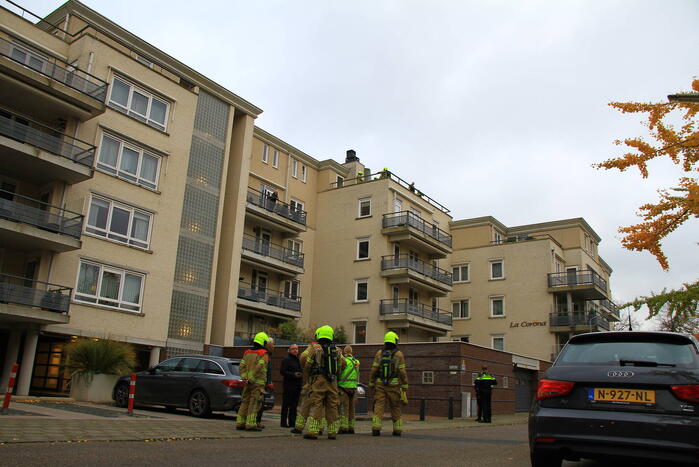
x=636, y=352
x=235, y=369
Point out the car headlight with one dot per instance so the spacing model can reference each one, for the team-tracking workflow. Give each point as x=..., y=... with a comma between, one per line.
x=360, y=391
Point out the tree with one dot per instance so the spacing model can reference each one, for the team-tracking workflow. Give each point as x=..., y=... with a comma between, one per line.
x=677, y=204
x=668, y=321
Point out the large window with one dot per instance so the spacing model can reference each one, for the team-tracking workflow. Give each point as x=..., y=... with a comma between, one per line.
x=497, y=307
x=497, y=269
x=363, y=248
x=128, y=161
x=364, y=208
x=109, y=286
x=119, y=222
x=138, y=103
x=361, y=292
x=460, y=273
x=460, y=309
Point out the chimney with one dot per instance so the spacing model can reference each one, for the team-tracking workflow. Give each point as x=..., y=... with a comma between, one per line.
x=351, y=156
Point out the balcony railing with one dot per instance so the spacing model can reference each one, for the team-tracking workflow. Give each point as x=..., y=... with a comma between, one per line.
x=55, y=69
x=65, y=146
x=403, y=306
x=265, y=201
x=272, y=250
x=572, y=278
x=409, y=218
x=421, y=267
x=579, y=319
x=24, y=291
x=269, y=297
x=44, y=216
x=609, y=305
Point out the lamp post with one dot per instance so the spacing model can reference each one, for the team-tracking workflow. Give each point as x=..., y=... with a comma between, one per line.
x=594, y=316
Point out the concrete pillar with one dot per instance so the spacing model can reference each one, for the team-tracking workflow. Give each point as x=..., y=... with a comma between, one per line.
x=28, y=354
x=11, y=357
x=569, y=303
x=154, y=357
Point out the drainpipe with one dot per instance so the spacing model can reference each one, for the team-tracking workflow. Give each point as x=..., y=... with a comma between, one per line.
x=65, y=26
x=90, y=61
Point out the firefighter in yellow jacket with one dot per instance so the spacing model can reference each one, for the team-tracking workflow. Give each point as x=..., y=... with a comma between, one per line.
x=324, y=366
x=253, y=372
x=305, y=406
x=390, y=382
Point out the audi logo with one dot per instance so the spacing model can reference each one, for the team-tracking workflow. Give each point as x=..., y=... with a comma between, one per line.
x=620, y=374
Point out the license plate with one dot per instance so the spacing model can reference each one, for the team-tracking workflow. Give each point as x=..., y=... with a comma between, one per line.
x=634, y=396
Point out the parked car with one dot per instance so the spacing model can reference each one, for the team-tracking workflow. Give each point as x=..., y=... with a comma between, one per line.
x=200, y=383
x=628, y=395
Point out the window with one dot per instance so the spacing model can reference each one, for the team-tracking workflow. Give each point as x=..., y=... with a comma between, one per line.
x=497, y=238
x=505, y=382
x=460, y=273
x=109, y=286
x=497, y=269
x=460, y=309
x=304, y=171
x=291, y=289
x=294, y=245
x=118, y=222
x=498, y=342
x=139, y=104
x=497, y=307
x=360, y=332
x=364, y=208
x=294, y=168
x=362, y=249
x=129, y=162
x=275, y=159
x=361, y=293
x=144, y=61
x=295, y=205
x=340, y=181
x=265, y=153
x=428, y=377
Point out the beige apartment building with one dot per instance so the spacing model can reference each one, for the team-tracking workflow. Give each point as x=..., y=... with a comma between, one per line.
x=140, y=203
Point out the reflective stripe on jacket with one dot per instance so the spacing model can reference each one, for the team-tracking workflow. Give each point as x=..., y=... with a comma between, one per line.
x=253, y=366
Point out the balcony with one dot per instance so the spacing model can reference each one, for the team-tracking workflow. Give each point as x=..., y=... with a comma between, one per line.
x=581, y=322
x=412, y=230
x=401, y=313
x=39, y=154
x=268, y=302
x=586, y=284
x=41, y=84
x=274, y=213
x=30, y=301
x=29, y=224
x=271, y=256
x=610, y=308
x=402, y=269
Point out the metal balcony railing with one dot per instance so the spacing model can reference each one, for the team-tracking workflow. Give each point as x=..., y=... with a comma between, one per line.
x=272, y=250
x=609, y=305
x=579, y=319
x=265, y=201
x=54, y=68
x=571, y=278
x=421, y=267
x=43, y=138
x=403, y=306
x=269, y=297
x=24, y=291
x=409, y=218
x=26, y=210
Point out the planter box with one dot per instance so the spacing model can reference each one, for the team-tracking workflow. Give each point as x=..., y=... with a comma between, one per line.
x=99, y=389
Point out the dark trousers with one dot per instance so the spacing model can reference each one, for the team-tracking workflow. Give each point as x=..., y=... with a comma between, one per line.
x=484, y=406
x=290, y=400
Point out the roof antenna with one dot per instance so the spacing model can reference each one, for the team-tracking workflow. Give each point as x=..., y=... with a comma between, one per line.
x=630, y=327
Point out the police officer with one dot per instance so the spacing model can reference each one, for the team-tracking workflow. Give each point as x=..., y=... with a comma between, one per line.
x=324, y=367
x=484, y=391
x=390, y=380
x=253, y=371
x=349, y=379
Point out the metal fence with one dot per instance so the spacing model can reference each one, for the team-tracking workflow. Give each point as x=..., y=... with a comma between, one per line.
x=403, y=306
x=269, y=297
x=29, y=292
x=409, y=218
x=579, y=319
x=272, y=250
x=265, y=201
x=571, y=278
x=45, y=216
x=426, y=269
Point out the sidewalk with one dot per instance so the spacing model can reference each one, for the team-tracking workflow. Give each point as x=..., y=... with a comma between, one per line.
x=63, y=420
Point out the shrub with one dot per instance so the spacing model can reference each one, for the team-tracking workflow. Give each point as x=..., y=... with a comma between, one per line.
x=87, y=357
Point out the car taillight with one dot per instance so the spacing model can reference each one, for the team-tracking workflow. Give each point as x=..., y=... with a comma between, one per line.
x=233, y=383
x=551, y=388
x=687, y=392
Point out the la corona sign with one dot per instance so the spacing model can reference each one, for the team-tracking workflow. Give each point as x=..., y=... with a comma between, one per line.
x=528, y=324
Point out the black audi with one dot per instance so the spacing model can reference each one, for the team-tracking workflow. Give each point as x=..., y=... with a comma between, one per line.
x=619, y=395
x=200, y=383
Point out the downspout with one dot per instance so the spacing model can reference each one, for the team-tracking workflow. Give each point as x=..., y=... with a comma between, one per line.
x=65, y=25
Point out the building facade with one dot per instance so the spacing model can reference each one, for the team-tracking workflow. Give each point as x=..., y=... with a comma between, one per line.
x=140, y=203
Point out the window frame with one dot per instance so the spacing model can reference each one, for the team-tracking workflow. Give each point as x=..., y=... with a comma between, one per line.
x=427, y=377
x=115, y=171
x=359, y=208
x=493, y=338
x=460, y=275
x=490, y=269
x=127, y=110
x=294, y=168
x=368, y=245
x=265, y=154
x=106, y=232
x=121, y=304
x=461, y=302
x=354, y=331
x=304, y=173
x=357, y=283
x=275, y=159
x=294, y=205
x=493, y=299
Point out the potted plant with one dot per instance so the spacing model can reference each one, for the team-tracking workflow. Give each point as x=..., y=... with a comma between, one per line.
x=95, y=366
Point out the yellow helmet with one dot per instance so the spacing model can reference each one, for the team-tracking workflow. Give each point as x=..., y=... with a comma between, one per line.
x=325, y=332
x=261, y=338
x=391, y=337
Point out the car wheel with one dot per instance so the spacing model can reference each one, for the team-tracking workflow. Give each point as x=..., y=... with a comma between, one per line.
x=121, y=395
x=199, y=404
x=545, y=459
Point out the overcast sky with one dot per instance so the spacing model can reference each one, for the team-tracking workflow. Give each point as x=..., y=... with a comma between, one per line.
x=492, y=107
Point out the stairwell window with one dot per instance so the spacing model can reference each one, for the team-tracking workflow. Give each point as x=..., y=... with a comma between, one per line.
x=361, y=290
x=362, y=248
x=129, y=162
x=109, y=286
x=119, y=222
x=138, y=103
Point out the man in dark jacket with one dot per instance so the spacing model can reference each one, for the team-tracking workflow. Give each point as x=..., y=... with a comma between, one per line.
x=291, y=371
x=484, y=391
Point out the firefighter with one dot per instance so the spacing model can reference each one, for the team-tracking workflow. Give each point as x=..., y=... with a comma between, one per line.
x=304, y=410
x=253, y=371
x=390, y=382
x=349, y=379
x=484, y=391
x=324, y=366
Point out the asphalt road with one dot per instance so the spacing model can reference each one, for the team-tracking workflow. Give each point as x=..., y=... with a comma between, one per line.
x=484, y=446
